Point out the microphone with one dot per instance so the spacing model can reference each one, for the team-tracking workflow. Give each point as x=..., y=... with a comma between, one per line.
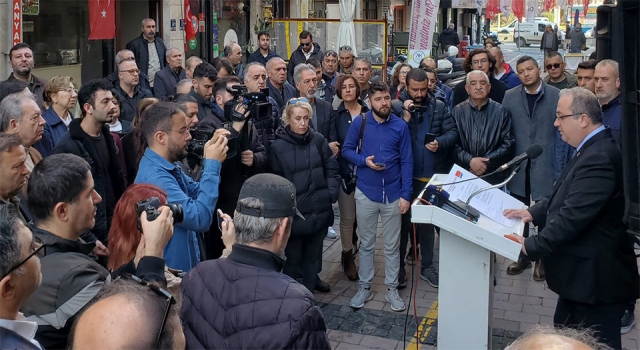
x=534, y=151
x=440, y=198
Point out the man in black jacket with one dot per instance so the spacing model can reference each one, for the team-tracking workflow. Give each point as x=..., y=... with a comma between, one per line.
x=279, y=89
x=90, y=139
x=263, y=54
x=248, y=289
x=482, y=60
x=126, y=55
x=588, y=255
x=430, y=117
x=148, y=50
x=307, y=84
x=168, y=77
x=204, y=77
x=130, y=90
x=449, y=37
x=485, y=140
x=306, y=50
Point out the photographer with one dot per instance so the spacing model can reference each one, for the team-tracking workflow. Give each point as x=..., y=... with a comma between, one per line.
x=255, y=78
x=246, y=157
x=167, y=134
x=429, y=120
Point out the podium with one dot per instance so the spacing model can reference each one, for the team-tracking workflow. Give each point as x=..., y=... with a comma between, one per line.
x=465, y=293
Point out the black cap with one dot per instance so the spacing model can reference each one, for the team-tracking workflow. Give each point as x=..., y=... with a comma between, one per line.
x=276, y=193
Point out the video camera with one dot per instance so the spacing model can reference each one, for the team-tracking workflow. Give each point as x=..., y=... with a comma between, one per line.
x=256, y=103
x=200, y=137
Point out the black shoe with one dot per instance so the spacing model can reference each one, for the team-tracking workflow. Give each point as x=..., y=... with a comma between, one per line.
x=411, y=259
x=519, y=266
x=322, y=286
x=402, y=279
x=627, y=322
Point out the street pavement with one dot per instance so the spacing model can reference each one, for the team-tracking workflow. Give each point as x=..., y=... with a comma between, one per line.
x=519, y=302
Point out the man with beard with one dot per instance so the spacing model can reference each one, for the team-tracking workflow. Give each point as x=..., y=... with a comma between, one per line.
x=279, y=90
x=168, y=78
x=148, y=50
x=130, y=90
x=191, y=164
x=306, y=81
x=167, y=134
x=204, y=77
x=325, y=92
x=22, y=63
x=558, y=77
x=263, y=54
x=383, y=189
x=90, y=139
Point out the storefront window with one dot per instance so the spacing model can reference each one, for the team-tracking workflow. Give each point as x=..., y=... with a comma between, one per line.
x=232, y=21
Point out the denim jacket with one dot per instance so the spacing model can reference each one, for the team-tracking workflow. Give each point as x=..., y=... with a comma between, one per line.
x=198, y=201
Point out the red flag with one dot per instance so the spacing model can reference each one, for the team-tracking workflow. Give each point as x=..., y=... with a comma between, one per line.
x=585, y=8
x=517, y=6
x=570, y=3
x=548, y=5
x=102, y=19
x=493, y=8
x=190, y=22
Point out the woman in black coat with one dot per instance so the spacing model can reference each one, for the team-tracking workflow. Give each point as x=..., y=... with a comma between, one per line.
x=303, y=157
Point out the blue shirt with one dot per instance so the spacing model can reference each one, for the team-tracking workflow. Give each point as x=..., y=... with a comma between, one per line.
x=390, y=143
x=54, y=129
x=198, y=201
x=591, y=134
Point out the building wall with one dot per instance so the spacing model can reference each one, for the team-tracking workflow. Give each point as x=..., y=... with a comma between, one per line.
x=4, y=39
x=173, y=9
x=131, y=15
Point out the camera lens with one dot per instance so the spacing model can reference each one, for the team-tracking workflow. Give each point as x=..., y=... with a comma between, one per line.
x=412, y=108
x=178, y=214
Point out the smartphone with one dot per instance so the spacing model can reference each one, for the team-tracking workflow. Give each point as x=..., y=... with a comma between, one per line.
x=380, y=165
x=428, y=138
x=220, y=219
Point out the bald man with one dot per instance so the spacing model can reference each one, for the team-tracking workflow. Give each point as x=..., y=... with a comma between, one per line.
x=504, y=72
x=128, y=315
x=448, y=93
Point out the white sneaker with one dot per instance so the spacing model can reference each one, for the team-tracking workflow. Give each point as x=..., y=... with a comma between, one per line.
x=394, y=300
x=361, y=297
x=331, y=233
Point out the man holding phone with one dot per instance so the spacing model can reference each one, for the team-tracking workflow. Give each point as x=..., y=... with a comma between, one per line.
x=428, y=119
x=483, y=128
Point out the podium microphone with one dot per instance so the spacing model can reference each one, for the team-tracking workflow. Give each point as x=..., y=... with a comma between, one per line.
x=440, y=198
x=534, y=151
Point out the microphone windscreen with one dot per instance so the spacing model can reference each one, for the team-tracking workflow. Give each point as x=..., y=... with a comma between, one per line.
x=534, y=151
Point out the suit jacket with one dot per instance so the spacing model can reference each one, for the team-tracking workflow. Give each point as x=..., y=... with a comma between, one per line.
x=324, y=119
x=588, y=255
x=166, y=80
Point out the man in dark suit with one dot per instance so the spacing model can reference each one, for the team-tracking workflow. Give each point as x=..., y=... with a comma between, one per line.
x=279, y=88
x=587, y=253
x=168, y=77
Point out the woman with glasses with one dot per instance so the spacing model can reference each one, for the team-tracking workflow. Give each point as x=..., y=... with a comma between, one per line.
x=60, y=97
x=303, y=157
x=347, y=89
x=399, y=80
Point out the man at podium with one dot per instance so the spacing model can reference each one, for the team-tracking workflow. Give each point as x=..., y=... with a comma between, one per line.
x=588, y=255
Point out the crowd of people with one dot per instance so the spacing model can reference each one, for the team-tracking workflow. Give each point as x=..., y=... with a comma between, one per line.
x=145, y=203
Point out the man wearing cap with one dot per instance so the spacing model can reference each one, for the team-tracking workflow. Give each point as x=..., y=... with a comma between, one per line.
x=260, y=306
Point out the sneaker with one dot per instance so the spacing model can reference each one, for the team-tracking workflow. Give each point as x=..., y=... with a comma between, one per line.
x=627, y=322
x=402, y=279
x=411, y=259
x=331, y=233
x=430, y=275
x=358, y=300
x=394, y=300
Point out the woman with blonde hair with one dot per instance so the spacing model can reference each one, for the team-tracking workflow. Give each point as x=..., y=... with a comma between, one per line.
x=303, y=156
x=60, y=97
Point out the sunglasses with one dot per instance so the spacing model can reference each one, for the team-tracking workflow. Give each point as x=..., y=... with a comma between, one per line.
x=293, y=101
x=330, y=53
x=161, y=292
x=554, y=66
x=38, y=248
x=305, y=44
x=346, y=48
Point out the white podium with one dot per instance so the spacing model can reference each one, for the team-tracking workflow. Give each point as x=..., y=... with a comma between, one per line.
x=466, y=273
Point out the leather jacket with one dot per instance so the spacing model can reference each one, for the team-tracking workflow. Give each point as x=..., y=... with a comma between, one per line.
x=484, y=132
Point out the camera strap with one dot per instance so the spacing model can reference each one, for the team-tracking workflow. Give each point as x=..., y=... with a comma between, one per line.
x=360, y=138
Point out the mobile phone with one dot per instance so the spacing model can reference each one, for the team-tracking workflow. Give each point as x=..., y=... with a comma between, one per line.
x=380, y=165
x=220, y=220
x=428, y=138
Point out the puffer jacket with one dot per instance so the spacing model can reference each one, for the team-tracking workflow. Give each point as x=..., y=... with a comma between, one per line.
x=484, y=132
x=307, y=161
x=245, y=302
x=438, y=119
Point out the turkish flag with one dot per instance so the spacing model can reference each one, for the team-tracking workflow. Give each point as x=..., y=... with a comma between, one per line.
x=517, y=6
x=190, y=22
x=102, y=19
x=493, y=8
x=585, y=8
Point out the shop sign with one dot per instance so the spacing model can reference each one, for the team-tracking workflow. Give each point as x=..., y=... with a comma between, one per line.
x=16, y=22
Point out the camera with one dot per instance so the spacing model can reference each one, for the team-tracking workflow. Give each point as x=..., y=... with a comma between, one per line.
x=256, y=103
x=151, y=205
x=415, y=108
x=200, y=137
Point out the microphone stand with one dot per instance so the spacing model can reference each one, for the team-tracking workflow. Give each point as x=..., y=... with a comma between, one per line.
x=513, y=173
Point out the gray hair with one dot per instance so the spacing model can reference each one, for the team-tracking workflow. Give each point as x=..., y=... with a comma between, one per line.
x=11, y=107
x=119, y=55
x=191, y=60
x=248, y=66
x=229, y=48
x=273, y=59
x=584, y=336
x=144, y=21
x=10, y=247
x=253, y=229
x=451, y=25
x=610, y=63
x=297, y=71
x=360, y=59
x=168, y=53
x=584, y=101
x=183, y=82
x=478, y=72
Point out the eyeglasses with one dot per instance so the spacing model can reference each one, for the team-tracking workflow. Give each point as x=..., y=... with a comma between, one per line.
x=483, y=61
x=183, y=131
x=306, y=44
x=170, y=300
x=560, y=117
x=554, y=66
x=293, y=101
x=38, y=248
x=330, y=53
x=71, y=91
x=132, y=71
x=346, y=48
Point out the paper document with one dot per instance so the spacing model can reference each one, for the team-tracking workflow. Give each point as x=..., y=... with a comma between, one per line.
x=490, y=203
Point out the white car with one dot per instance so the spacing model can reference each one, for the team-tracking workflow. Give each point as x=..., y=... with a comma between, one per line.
x=590, y=33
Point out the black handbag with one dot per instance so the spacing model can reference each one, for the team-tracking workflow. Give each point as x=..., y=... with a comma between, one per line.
x=349, y=184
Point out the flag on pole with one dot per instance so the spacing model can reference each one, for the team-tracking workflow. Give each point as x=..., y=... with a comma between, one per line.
x=493, y=8
x=190, y=26
x=102, y=19
x=517, y=6
x=585, y=4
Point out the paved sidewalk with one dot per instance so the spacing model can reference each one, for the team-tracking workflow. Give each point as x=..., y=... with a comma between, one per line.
x=518, y=303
